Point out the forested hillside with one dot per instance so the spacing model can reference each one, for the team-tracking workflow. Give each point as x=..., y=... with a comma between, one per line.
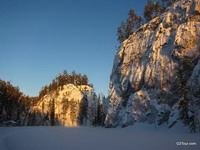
x=69, y=100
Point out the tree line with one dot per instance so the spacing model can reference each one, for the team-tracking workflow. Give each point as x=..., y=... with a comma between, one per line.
x=133, y=22
x=14, y=105
x=63, y=79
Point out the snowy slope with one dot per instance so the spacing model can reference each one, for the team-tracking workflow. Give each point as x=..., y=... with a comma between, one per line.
x=154, y=66
x=139, y=137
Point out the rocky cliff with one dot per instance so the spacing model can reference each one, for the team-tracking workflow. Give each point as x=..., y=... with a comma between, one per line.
x=157, y=68
x=62, y=106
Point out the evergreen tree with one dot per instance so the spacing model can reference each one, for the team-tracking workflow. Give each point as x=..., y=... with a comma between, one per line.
x=83, y=110
x=153, y=9
x=133, y=22
x=187, y=104
x=121, y=32
x=99, y=112
x=52, y=113
x=65, y=74
x=126, y=29
x=84, y=80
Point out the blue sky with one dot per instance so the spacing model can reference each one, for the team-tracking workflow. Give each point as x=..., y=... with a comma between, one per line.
x=41, y=38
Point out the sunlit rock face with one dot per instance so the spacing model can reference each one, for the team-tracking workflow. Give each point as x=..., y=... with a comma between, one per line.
x=153, y=66
x=65, y=104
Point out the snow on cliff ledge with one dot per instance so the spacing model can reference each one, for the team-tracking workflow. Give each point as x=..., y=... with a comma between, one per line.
x=151, y=64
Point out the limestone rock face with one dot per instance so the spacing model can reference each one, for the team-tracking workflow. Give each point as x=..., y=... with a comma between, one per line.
x=154, y=65
x=65, y=104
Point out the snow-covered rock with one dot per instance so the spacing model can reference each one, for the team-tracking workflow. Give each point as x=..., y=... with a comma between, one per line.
x=65, y=104
x=152, y=63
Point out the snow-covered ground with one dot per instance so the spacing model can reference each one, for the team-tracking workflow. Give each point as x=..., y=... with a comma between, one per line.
x=138, y=137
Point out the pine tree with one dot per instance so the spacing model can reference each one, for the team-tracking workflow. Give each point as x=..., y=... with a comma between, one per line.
x=52, y=113
x=153, y=9
x=126, y=29
x=121, y=32
x=65, y=74
x=187, y=105
x=83, y=110
x=133, y=22
x=100, y=112
x=84, y=80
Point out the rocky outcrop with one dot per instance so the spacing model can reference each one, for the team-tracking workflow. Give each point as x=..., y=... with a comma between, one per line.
x=154, y=67
x=62, y=106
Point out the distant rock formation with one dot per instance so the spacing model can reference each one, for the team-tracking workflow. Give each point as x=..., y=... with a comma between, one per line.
x=62, y=106
x=66, y=105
